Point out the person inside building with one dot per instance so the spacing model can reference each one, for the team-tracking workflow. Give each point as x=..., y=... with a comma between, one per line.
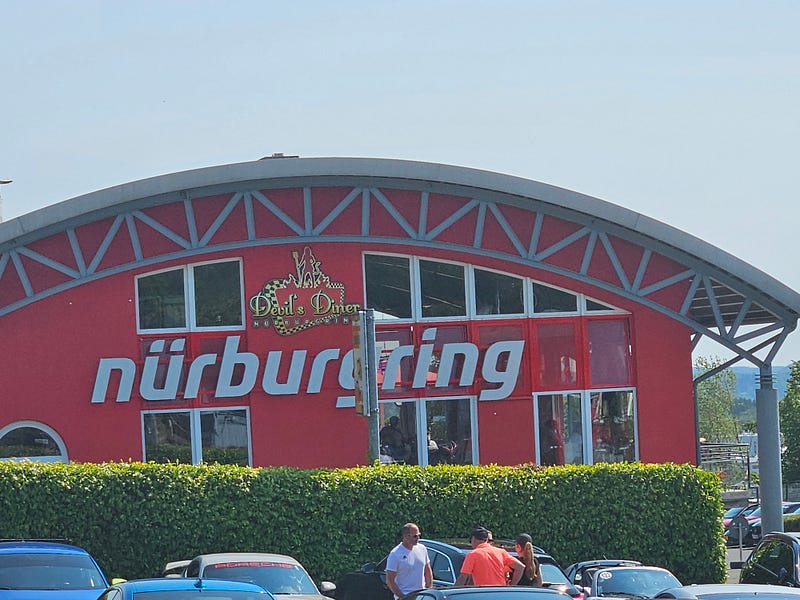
x=486, y=564
x=392, y=439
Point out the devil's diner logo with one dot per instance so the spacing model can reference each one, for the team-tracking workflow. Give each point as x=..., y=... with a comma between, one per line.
x=303, y=299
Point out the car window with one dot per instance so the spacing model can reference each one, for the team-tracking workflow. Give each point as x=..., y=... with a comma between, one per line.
x=769, y=563
x=441, y=566
x=552, y=573
x=39, y=571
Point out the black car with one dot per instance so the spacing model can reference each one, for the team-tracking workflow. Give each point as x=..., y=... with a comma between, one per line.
x=369, y=583
x=488, y=593
x=774, y=560
x=581, y=573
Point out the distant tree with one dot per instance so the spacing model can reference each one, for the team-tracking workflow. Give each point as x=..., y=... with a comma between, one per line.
x=790, y=425
x=715, y=398
x=744, y=411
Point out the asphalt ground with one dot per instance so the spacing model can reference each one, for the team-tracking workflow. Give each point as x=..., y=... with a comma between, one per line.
x=736, y=554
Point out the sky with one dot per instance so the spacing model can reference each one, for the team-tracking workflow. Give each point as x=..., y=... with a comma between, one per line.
x=685, y=111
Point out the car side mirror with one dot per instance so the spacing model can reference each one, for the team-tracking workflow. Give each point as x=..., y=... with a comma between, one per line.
x=368, y=567
x=327, y=588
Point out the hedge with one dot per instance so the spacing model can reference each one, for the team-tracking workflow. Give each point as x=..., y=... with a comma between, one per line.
x=135, y=517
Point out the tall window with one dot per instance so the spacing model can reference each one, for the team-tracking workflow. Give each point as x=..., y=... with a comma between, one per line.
x=613, y=426
x=443, y=289
x=559, y=429
x=388, y=283
x=203, y=296
x=498, y=294
x=609, y=352
x=211, y=436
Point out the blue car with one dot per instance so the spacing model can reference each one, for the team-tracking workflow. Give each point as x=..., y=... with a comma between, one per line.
x=43, y=570
x=180, y=588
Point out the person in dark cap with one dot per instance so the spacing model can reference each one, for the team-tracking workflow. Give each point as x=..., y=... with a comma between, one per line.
x=391, y=437
x=532, y=574
x=486, y=564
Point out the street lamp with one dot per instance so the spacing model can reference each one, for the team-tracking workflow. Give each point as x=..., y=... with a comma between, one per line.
x=2, y=182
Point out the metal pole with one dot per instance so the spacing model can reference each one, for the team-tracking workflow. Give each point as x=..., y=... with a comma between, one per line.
x=769, y=452
x=372, y=385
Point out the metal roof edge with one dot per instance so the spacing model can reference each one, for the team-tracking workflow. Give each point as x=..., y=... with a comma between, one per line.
x=385, y=168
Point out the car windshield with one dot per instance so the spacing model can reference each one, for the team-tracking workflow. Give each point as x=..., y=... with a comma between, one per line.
x=198, y=595
x=634, y=583
x=38, y=571
x=276, y=577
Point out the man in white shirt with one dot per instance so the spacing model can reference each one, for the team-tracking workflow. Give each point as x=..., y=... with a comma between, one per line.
x=408, y=567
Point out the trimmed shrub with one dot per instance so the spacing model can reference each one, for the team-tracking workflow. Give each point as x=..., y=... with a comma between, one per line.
x=136, y=517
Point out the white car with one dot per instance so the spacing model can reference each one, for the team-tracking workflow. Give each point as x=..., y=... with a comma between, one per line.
x=277, y=573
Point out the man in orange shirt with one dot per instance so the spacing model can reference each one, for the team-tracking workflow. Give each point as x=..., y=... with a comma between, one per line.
x=487, y=564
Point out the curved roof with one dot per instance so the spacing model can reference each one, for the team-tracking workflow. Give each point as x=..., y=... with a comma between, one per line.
x=724, y=298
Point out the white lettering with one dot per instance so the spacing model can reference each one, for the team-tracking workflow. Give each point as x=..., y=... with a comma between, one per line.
x=500, y=367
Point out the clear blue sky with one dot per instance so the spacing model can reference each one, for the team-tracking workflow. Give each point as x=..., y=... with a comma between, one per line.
x=685, y=111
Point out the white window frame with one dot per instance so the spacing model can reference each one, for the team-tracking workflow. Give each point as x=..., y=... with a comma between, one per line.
x=63, y=457
x=189, y=299
x=196, y=431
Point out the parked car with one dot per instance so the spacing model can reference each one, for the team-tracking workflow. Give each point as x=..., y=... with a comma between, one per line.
x=730, y=591
x=176, y=588
x=369, y=583
x=631, y=582
x=581, y=573
x=738, y=511
x=792, y=508
x=41, y=569
x=487, y=593
x=277, y=573
x=742, y=526
x=773, y=561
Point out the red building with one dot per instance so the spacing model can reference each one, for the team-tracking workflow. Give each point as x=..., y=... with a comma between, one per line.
x=206, y=315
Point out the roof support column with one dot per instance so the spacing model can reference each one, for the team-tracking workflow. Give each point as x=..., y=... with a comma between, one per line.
x=769, y=452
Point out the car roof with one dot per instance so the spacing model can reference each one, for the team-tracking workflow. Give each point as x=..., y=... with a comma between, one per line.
x=465, y=547
x=225, y=557
x=40, y=547
x=489, y=589
x=180, y=583
x=790, y=536
x=703, y=589
x=604, y=562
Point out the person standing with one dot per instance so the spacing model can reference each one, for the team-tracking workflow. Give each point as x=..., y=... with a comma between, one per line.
x=487, y=564
x=408, y=567
x=532, y=574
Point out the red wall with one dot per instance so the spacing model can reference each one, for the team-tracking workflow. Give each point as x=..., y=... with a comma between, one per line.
x=51, y=351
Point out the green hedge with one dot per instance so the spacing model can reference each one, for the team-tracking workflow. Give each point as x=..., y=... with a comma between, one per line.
x=136, y=517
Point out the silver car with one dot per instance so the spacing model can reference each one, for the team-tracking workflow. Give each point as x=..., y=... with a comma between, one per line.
x=276, y=573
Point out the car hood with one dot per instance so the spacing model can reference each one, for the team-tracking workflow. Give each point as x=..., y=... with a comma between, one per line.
x=47, y=594
x=301, y=597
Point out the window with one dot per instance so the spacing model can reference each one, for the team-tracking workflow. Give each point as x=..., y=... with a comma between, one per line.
x=443, y=289
x=498, y=294
x=448, y=428
x=560, y=429
x=203, y=296
x=557, y=354
x=609, y=352
x=548, y=299
x=30, y=440
x=211, y=436
x=388, y=284
x=613, y=426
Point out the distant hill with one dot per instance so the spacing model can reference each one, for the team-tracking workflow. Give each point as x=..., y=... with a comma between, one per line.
x=746, y=381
